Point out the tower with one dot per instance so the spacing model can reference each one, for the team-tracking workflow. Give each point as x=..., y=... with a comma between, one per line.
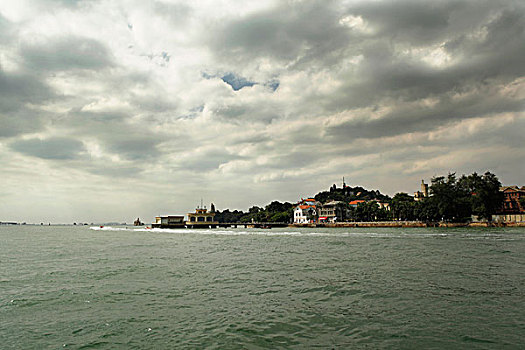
x=424, y=188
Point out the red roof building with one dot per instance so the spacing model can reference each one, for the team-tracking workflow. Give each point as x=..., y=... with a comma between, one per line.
x=511, y=199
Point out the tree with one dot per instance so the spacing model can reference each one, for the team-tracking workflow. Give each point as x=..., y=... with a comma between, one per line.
x=485, y=196
x=403, y=206
x=451, y=199
x=426, y=210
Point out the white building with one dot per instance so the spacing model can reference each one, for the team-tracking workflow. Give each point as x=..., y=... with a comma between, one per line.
x=304, y=214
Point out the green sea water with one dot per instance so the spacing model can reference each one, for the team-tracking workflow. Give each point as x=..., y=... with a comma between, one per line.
x=82, y=288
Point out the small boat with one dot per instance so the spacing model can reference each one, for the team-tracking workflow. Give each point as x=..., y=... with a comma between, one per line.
x=266, y=227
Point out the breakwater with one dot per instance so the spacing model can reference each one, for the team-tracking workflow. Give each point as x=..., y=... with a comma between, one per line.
x=408, y=224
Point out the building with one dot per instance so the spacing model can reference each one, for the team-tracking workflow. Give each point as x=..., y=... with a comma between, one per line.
x=419, y=195
x=168, y=221
x=305, y=211
x=511, y=210
x=511, y=199
x=356, y=202
x=331, y=211
x=201, y=218
x=305, y=214
x=383, y=205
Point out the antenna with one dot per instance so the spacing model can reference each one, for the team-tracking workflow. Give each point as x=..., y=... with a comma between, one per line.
x=201, y=202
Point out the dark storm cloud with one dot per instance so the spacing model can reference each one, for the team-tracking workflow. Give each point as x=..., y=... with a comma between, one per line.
x=58, y=148
x=486, y=57
x=286, y=32
x=410, y=119
x=419, y=22
x=17, y=91
x=115, y=135
x=66, y=53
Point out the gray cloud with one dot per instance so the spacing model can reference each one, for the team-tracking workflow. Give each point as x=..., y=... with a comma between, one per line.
x=288, y=32
x=67, y=53
x=57, y=148
x=412, y=118
x=17, y=92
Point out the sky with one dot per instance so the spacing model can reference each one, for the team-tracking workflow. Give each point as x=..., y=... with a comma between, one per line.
x=113, y=110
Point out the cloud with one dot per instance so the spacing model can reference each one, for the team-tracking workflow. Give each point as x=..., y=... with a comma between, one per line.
x=57, y=148
x=66, y=53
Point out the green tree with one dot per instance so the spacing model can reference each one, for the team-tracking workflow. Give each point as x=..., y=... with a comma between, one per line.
x=426, y=210
x=402, y=206
x=450, y=198
x=485, y=196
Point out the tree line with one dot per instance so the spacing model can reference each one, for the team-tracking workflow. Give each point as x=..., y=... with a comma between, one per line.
x=451, y=199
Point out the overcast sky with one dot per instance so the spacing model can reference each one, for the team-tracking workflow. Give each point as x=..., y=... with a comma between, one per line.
x=111, y=110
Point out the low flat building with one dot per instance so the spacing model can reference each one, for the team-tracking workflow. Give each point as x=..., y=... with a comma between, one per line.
x=168, y=221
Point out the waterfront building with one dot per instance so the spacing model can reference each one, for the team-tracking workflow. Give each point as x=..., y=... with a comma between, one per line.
x=201, y=218
x=168, y=221
x=331, y=211
x=511, y=199
x=304, y=214
x=511, y=210
x=305, y=211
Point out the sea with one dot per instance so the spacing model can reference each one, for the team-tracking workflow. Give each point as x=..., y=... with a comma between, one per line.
x=80, y=287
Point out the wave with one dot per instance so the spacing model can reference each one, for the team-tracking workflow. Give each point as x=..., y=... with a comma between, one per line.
x=276, y=232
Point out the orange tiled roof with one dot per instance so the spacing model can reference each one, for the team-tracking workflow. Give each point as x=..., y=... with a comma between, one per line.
x=357, y=201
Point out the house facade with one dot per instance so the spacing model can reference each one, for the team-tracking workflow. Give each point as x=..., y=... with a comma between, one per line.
x=305, y=214
x=306, y=211
x=332, y=211
x=201, y=218
x=511, y=199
